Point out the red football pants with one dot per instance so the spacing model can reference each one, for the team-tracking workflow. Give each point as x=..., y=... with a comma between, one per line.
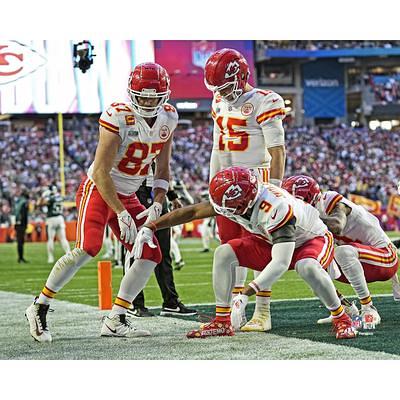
x=379, y=264
x=256, y=252
x=94, y=214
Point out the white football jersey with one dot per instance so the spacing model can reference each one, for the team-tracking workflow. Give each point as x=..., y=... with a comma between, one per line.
x=275, y=208
x=361, y=227
x=238, y=138
x=139, y=146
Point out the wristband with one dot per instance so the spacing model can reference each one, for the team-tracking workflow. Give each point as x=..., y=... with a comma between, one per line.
x=153, y=226
x=161, y=183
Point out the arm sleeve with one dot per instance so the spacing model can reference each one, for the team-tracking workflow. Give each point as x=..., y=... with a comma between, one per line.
x=282, y=254
x=274, y=133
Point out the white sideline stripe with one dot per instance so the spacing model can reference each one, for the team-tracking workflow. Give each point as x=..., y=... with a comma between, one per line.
x=76, y=327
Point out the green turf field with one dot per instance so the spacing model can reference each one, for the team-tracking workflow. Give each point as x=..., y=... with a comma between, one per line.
x=76, y=322
x=193, y=282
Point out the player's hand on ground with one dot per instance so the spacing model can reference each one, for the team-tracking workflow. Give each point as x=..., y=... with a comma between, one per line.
x=239, y=304
x=145, y=236
x=127, y=227
x=176, y=204
x=152, y=213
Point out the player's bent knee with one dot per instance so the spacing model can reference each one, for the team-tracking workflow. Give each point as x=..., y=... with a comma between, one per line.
x=307, y=267
x=225, y=254
x=73, y=259
x=344, y=253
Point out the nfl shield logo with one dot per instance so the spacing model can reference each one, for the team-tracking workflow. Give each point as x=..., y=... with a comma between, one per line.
x=201, y=51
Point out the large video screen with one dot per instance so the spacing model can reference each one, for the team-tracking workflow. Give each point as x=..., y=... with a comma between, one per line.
x=38, y=76
x=185, y=60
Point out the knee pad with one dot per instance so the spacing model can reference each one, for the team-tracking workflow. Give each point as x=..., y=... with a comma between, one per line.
x=345, y=253
x=73, y=259
x=225, y=254
x=307, y=267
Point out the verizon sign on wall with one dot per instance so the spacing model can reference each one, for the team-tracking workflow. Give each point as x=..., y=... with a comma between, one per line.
x=39, y=77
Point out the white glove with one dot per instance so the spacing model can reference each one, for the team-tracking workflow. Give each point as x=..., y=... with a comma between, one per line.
x=238, y=313
x=152, y=213
x=145, y=236
x=127, y=227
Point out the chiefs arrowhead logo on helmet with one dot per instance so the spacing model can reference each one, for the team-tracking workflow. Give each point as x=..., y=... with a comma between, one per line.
x=232, y=69
x=233, y=192
x=302, y=181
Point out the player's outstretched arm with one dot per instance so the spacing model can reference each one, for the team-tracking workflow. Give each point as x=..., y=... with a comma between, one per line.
x=183, y=215
x=176, y=217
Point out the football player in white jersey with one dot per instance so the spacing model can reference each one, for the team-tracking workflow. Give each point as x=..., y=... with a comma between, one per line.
x=364, y=253
x=284, y=233
x=248, y=132
x=132, y=135
x=55, y=222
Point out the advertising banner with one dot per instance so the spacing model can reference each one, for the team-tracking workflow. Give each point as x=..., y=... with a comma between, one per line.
x=393, y=207
x=39, y=76
x=373, y=206
x=324, y=90
x=185, y=60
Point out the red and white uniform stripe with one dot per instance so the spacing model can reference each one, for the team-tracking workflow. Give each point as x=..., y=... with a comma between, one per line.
x=363, y=231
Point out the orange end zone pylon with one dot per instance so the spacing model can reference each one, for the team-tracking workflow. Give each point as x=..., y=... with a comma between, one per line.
x=105, y=285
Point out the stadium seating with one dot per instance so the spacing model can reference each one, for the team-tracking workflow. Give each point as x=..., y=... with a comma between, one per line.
x=349, y=160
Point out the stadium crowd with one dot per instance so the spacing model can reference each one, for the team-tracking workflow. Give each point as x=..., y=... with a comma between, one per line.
x=386, y=89
x=348, y=160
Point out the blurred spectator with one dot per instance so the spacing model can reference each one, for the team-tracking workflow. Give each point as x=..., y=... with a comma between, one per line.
x=21, y=211
x=386, y=88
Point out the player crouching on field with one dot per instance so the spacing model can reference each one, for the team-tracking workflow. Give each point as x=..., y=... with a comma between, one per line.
x=364, y=253
x=284, y=233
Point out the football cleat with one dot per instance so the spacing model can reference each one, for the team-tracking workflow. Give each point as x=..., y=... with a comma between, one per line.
x=179, y=265
x=36, y=316
x=260, y=322
x=119, y=326
x=343, y=327
x=238, y=313
x=180, y=310
x=367, y=312
x=213, y=328
x=351, y=311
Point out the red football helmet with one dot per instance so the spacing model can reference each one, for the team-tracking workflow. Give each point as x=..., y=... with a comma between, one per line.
x=148, y=80
x=233, y=191
x=303, y=187
x=227, y=68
